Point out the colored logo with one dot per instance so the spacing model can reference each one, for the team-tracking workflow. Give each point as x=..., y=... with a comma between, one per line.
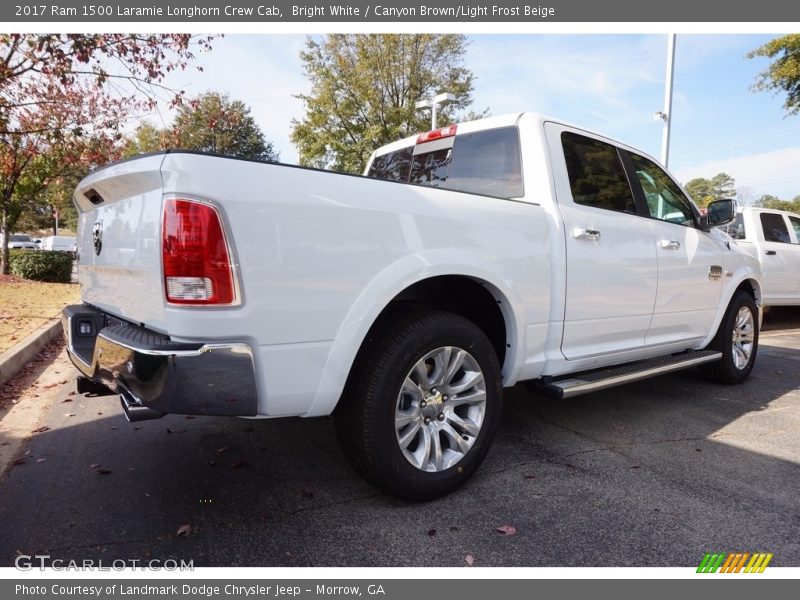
x=743, y=562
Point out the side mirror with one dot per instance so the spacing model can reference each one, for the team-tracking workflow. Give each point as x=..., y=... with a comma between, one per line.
x=719, y=212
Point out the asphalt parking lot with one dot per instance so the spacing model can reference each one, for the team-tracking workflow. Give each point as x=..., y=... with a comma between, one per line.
x=651, y=474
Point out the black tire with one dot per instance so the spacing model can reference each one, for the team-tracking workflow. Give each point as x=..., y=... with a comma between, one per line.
x=365, y=418
x=726, y=370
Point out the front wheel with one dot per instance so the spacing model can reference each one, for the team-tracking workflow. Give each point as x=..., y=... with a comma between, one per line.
x=423, y=406
x=737, y=340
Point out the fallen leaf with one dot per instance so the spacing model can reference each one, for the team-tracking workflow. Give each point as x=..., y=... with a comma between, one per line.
x=136, y=428
x=19, y=461
x=94, y=466
x=40, y=460
x=454, y=529
x=4, y=443
x=212, y=462
x=190, y=417
x=184, y=530
x=530, y=476
x=114, y=428
x=170, y=430
x=507, y=529
x=308, y=493
x=104, y=471
x=70, y=414
x=67, y=400
x=431, y=532
x=469, y=559
x=50, y=386
x=41, y=429
x=223, y=449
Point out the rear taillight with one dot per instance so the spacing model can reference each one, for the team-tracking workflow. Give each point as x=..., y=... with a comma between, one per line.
x=195, y=256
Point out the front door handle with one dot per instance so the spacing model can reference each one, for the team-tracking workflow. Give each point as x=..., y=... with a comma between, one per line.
x=670, y=244
x=579, y=233
x=771, y=253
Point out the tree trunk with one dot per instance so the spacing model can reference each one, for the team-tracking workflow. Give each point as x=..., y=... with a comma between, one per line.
x=6, y=236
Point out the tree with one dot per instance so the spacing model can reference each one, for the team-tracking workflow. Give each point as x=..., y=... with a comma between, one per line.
x=703, y=191
x=364, y=88
x=215, y=123
x=783, y=74
x=146, y=138
x=59, y=90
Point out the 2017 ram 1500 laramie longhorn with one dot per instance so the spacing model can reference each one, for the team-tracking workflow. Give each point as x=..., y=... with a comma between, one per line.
x=470, y=258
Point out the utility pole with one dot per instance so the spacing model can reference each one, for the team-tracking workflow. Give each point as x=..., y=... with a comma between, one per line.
x=666, y=114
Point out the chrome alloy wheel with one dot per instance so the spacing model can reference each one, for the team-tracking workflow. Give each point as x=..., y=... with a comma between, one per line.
x=440, y=409
x=743, y=337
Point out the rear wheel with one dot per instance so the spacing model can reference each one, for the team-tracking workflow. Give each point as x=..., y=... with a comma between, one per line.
x=737, y=340
x=420, y=415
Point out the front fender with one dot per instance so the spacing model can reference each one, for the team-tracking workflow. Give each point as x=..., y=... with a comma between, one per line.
x=744, y=273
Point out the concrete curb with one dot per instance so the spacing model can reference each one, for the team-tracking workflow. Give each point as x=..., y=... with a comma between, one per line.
x=16, y=357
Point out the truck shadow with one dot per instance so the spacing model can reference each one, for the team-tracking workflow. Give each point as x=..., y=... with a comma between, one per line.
x=653, y=473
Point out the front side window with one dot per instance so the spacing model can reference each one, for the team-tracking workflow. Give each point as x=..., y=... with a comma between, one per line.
x=596, y=175
x=775, y=229
x=665, y=200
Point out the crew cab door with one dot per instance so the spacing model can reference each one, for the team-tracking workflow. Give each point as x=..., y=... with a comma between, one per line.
x=690, y=261
x=611, y=262
x=778, y=235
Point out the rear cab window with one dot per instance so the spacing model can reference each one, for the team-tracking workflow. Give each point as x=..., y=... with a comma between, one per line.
x=483, y=162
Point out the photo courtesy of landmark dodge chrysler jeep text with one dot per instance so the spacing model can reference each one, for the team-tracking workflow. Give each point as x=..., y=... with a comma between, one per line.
x=468, y=259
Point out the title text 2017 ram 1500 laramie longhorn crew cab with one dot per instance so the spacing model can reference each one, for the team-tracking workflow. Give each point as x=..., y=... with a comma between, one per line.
x=470, y=258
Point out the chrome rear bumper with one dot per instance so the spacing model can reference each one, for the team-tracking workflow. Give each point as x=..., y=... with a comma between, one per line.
x=155, y=375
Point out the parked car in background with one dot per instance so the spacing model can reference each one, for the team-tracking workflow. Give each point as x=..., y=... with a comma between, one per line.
x=21, y=240
x=773, y=237
x=63, y=243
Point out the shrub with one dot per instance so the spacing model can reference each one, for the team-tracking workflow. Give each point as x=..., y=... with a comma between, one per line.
x=41, y=265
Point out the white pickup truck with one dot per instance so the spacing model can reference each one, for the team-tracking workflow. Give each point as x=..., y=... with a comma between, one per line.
x=470, y=258
x=773, y=236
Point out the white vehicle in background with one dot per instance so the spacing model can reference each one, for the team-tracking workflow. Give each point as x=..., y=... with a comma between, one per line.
x=21, y=241
x=61, y=243
x=772, y=236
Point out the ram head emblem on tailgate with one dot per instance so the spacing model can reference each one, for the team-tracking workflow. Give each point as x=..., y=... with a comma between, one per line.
x=97, y=236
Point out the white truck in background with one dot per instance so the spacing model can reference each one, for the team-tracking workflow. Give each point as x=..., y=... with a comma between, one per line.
x=773, y=237
x=470, y=258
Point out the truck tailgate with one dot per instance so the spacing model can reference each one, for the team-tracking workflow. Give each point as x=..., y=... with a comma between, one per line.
x=119, y=252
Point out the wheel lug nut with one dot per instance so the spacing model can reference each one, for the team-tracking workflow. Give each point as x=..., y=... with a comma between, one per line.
x=440, y=416
x=427, y=420
x=423, y=404
x=444, y=398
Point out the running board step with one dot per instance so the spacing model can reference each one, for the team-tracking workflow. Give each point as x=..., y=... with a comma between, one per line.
x=600, y=379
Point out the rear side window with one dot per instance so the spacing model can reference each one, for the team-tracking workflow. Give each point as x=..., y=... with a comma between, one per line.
x=485, y=162
x=596, y=175
x=775, y=229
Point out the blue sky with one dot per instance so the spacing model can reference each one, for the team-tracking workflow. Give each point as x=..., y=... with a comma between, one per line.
x=609, y=83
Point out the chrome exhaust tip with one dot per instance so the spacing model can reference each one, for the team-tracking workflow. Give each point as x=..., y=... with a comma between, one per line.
x=135, y=410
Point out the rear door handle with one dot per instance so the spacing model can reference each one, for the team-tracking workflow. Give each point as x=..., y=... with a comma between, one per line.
x=670, y=244
x=579, y=233
x=771, y=253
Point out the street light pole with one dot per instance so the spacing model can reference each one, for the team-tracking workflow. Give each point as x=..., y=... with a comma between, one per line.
x=667, y=114
x=434, y=103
